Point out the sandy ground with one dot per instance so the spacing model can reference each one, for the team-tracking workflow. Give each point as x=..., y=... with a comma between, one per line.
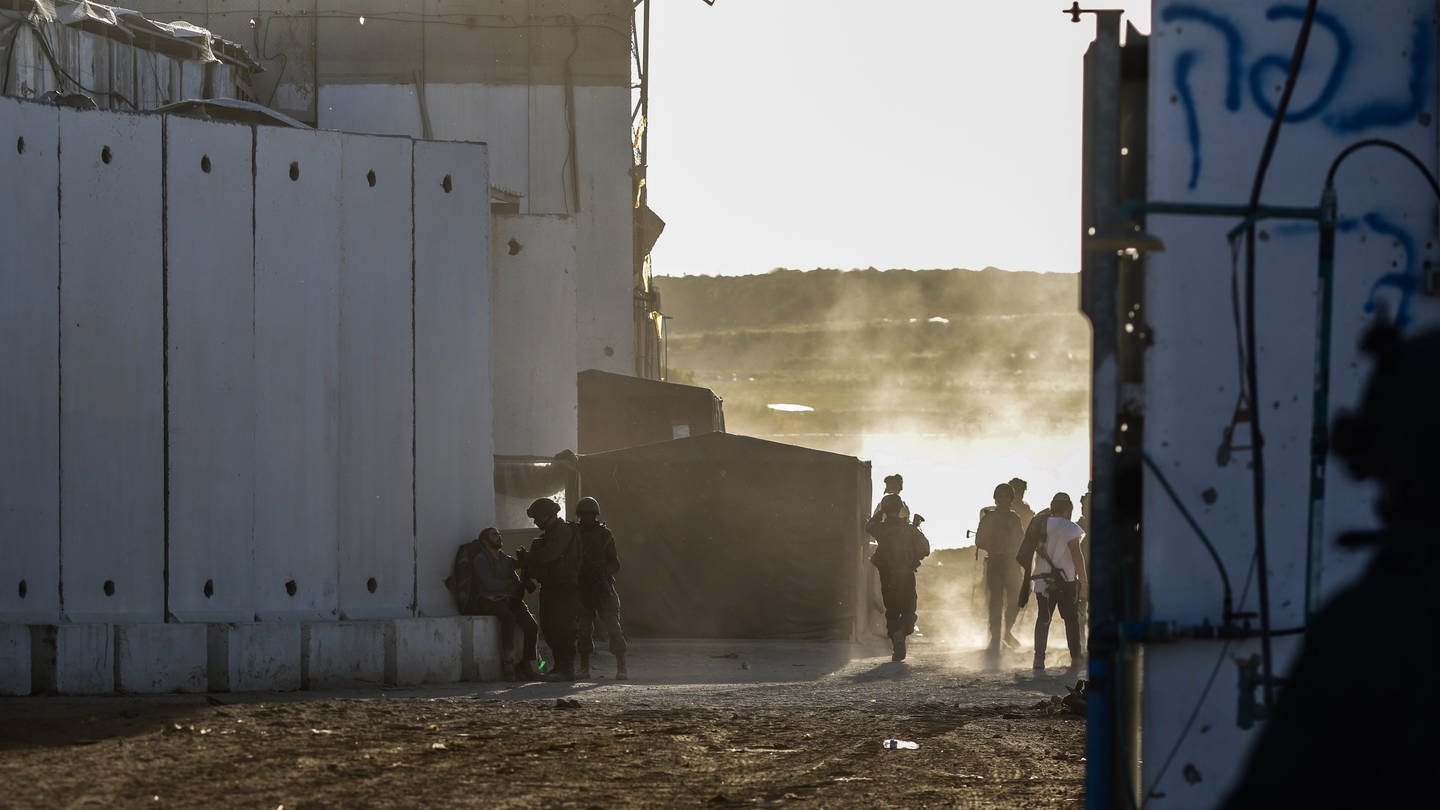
x=714, y=723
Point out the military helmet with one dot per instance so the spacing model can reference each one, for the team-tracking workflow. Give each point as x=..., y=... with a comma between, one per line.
x=587, y=504
x=542, y=507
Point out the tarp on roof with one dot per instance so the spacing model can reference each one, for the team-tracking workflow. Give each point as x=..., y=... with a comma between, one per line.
x=725, y=536
x=617, y=410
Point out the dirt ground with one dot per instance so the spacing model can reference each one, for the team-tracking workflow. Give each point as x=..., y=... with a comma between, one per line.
x=714, y=723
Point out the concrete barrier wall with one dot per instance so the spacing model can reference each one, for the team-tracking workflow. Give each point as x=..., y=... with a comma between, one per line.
x=210, y=344
x=29, y=363
x=1216, y=71
x=533, y=269
x=376, y=510
x=286, y=382
x=454, y=450
x=112, y=476
x=528, y=132
x=297, y=316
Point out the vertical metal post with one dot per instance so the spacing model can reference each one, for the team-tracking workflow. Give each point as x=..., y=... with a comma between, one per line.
x=1110, y=744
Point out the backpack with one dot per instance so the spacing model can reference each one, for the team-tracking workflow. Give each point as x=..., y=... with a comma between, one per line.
x=461, y=582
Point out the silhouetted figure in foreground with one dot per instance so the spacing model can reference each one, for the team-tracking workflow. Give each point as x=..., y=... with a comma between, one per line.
x=899, y=548
x=1354, y=718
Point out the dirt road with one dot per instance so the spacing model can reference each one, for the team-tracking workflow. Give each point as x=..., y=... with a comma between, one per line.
x=711, y=723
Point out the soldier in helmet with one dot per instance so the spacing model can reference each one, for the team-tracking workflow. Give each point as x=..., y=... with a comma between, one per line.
x=599, y=563
x=554, y=561
x=899, y=548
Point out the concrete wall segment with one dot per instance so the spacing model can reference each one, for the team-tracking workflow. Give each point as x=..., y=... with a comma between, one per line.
x=342, y=655
x=111, y=356
x=605, y=328
x=254, y=657
x=210, y=326
x=534, y=280
x=376, y=401
x=297, y=257
x=29, y=329
x=1215, y=74
x=424, y=651
x=15, y=672
x=454, y=448
x=160, y=658
x=73, y=659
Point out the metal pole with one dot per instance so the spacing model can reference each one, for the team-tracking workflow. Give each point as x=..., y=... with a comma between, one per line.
x=1106, y=772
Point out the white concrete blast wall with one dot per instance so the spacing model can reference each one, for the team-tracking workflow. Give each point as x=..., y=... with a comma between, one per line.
x=112, y=363
x=29, y=363
x=605, y=325
x=454, y=450
x=297, y=269
x=376, y=534
x=210, y=285
x=1216, y=70
x=496, y=115
x=533, y=282
x=527, y=131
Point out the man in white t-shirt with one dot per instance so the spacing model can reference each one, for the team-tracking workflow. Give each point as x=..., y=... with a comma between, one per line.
x=1061, y=580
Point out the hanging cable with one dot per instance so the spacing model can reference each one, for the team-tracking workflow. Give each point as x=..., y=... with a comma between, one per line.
x=1252, y=346
x=1381, y=142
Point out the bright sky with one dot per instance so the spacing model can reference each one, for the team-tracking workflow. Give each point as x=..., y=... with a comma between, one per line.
x=857, y=133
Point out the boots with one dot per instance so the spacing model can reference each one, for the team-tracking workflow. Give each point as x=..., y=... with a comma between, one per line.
x=507, y=668
x=898, y=641
x=584, y=671
x=620, y=673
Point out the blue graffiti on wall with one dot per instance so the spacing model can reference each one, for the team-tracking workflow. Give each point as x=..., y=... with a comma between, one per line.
x=1376, y=113
x=1405, y=281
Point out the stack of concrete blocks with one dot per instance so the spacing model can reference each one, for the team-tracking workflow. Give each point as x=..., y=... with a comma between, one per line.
x=247, y=411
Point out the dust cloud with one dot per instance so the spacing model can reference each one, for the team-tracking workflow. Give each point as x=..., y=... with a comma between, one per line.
x=949, y=479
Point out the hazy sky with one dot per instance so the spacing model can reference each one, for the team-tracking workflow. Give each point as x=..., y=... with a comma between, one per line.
x=855, y=133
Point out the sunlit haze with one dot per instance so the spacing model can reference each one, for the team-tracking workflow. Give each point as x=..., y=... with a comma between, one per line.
x=842, y=133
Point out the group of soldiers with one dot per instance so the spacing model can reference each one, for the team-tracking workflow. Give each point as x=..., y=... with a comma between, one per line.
x=1045, y=553
x=573, y=566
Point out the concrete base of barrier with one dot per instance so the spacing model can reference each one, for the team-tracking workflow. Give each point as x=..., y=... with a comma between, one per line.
x=97, y=659
x=422, y=651
x=73, y=659
x=342, y=655
x=156, y=658
x=258, y=657
x=14, y=659
x=481, y=649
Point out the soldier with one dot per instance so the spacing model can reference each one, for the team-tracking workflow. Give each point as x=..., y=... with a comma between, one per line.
x=1053, y=549
x=1020, y=505
x=893, y=484
x=599, y=563
x=554, y=562
x=495, y=590
x=900, y=546
x=999, y=535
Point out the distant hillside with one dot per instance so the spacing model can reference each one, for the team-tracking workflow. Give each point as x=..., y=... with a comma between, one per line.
x=954, y=352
